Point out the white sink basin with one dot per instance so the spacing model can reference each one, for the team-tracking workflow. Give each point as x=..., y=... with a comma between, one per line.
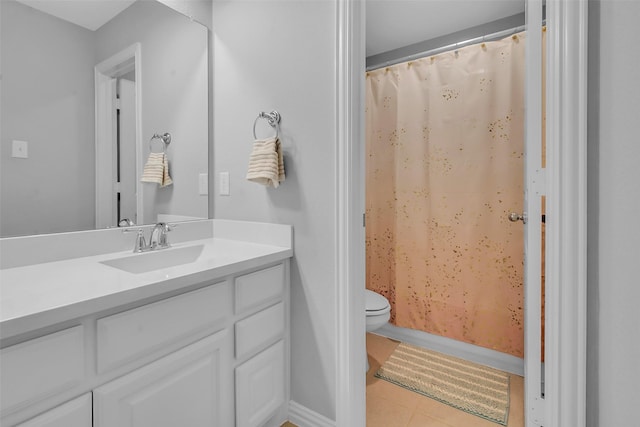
x=156, y=260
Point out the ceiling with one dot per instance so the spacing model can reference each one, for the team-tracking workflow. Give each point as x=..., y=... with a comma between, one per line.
x=90, y=14
x=392, y=24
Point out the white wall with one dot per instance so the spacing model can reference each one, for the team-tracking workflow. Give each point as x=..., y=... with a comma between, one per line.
x=47, y=100
x=246, y=83
x=281, y=55
x=174, y=98
x=613, y=356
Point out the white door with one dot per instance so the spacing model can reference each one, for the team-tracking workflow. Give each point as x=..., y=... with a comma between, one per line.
x=191, y=387
x=127, y=150
x=75, y=413
x=534, y=175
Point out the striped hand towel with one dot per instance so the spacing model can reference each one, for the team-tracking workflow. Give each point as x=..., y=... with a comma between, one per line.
x=156, y=170
x=266, y=164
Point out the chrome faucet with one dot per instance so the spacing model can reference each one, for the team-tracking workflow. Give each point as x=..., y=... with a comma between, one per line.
x=125, y=222
x=158, y=239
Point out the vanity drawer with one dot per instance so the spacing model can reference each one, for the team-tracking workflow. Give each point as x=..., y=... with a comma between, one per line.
x=261, y=286
x=262, y=328
x=130, y=335
x=40, y=368
x=75, y=413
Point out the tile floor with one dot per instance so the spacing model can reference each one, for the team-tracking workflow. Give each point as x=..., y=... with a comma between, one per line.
x=389, y=405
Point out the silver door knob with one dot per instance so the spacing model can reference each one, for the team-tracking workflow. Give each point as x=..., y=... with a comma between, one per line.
x=513, y=217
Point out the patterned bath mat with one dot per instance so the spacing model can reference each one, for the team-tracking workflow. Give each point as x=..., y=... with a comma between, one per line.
x=473, y=388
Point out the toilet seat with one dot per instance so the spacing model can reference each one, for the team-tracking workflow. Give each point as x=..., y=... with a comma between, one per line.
x=376, y=304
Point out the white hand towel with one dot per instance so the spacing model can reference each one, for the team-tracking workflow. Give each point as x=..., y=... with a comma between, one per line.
x=266, y=164
x=156, y=170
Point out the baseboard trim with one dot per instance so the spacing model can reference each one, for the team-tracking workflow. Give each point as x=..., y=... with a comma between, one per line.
x=304, y=417
x=495, y=359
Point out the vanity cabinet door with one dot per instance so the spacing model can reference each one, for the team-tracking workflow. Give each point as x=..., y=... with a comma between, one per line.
x=191, y=387
x=260, y=387
x=75, y=413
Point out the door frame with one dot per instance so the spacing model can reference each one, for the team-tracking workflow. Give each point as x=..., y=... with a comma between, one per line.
x=112, y=67
x=566, y=234
x=534, y=190
x=566, y=206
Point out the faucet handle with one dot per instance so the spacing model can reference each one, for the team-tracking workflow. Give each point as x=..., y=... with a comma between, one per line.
x=140, y=245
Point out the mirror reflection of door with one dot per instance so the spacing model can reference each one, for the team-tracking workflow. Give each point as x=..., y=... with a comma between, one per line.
x=117, y=126
x=125, y=188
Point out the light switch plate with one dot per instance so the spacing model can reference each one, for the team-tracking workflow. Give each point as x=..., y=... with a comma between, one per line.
x=224, y=183
x=20, y=149
x=203, y=184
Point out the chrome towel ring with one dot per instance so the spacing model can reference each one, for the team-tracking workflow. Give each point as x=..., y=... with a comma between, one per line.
x=273, y=118
x=166, y=139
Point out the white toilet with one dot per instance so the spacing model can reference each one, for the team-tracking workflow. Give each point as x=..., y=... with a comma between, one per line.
x=378, y=311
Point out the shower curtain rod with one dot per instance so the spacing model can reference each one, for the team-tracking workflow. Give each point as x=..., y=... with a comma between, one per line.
x=453, y=46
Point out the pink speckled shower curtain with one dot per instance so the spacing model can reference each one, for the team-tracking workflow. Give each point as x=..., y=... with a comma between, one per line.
x=444, y=168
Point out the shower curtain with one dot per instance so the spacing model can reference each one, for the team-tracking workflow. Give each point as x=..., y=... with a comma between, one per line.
x=444, y=167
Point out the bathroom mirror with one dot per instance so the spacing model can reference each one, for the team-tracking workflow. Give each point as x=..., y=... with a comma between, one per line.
x=55, y=177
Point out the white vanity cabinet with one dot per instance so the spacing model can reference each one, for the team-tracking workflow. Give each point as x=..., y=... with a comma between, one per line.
x=215, y=355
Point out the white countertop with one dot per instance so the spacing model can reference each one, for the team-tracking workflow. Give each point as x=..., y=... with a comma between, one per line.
x=40, y=295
